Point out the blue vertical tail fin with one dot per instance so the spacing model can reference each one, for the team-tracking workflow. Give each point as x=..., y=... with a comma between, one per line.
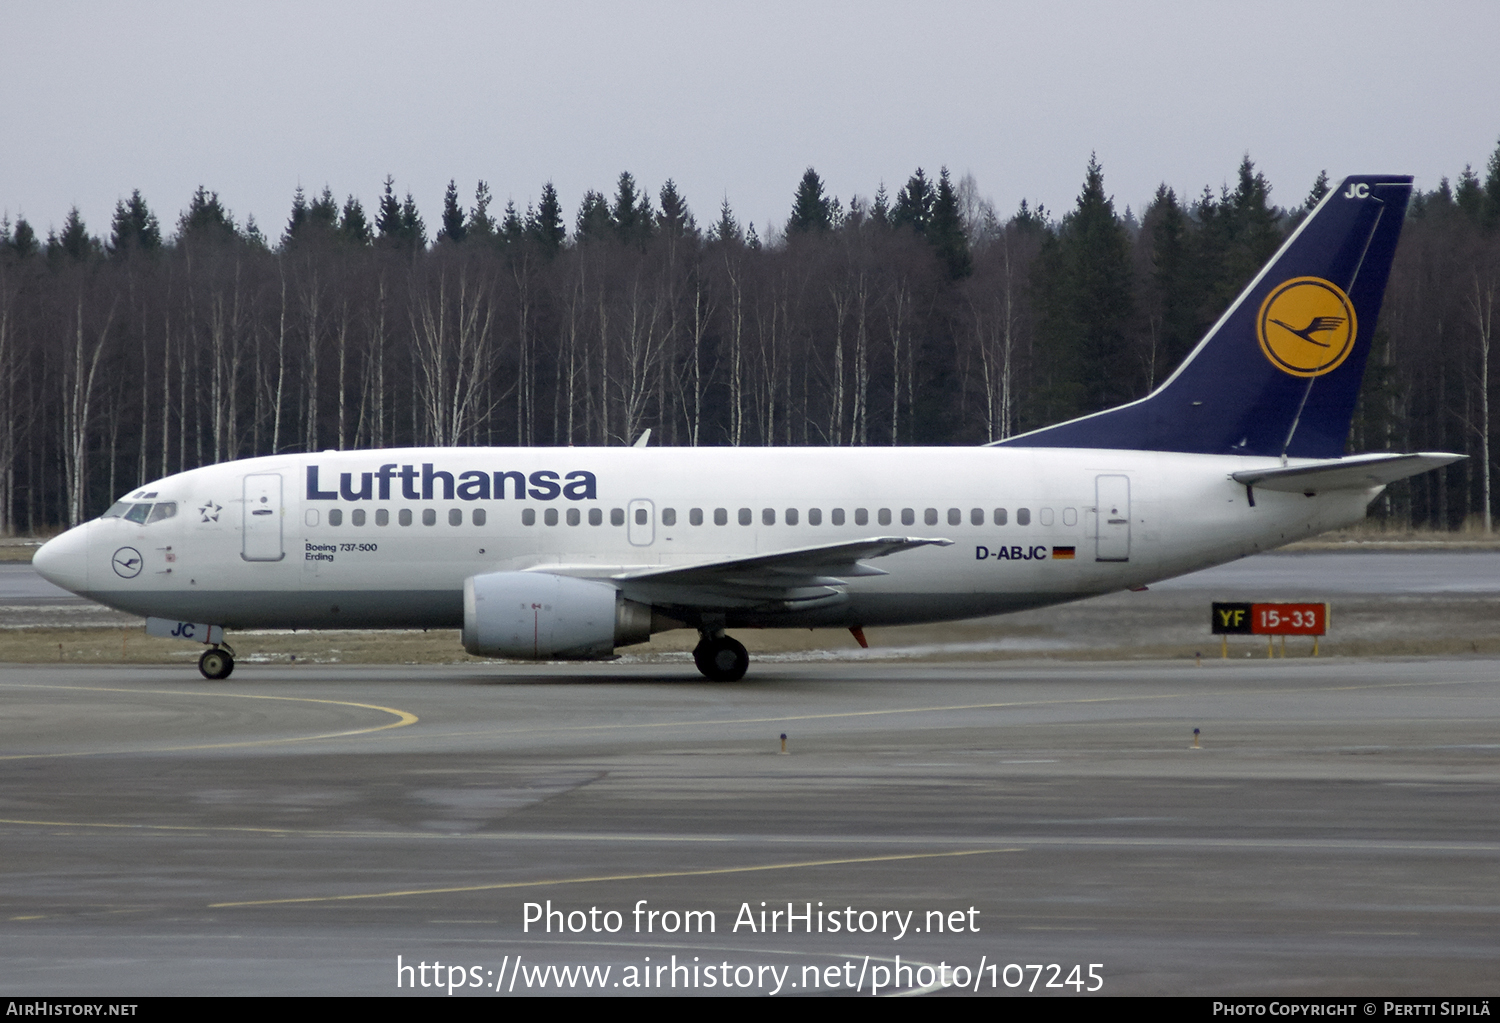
x=1279, y=373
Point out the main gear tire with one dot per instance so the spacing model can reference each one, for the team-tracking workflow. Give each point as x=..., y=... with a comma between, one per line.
x=216, y=664
x=722, y=659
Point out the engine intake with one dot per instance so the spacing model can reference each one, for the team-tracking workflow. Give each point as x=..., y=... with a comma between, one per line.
x=537, y=616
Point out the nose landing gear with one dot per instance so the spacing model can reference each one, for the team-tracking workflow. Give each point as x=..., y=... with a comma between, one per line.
x=217, y=662
x=721, y=658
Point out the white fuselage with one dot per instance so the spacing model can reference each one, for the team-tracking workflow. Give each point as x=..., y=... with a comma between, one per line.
x=303, y=562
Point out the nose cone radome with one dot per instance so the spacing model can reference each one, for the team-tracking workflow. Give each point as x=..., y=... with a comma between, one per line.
x=63, y=560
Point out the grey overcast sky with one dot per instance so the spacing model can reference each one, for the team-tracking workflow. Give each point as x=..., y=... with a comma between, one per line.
x=736, y=99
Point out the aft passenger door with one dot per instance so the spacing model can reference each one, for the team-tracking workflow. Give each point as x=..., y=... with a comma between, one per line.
x=262, y=518
x=1112, y=518
x=640, y=518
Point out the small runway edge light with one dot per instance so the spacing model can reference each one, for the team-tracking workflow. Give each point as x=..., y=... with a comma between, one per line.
x=1195, y=739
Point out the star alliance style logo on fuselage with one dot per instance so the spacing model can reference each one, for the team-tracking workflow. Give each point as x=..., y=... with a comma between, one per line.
x=1306, y=326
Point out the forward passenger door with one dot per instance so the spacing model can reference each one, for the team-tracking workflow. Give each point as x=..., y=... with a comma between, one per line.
x=262, y=518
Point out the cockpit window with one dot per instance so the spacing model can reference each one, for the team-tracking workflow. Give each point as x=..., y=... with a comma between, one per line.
x=144, y=513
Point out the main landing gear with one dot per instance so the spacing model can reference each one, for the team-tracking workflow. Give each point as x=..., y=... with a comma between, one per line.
x=217, y=662
x=721, y=658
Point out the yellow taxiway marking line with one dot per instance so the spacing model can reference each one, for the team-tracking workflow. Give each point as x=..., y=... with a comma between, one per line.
x=613, y=877
x=403, y=718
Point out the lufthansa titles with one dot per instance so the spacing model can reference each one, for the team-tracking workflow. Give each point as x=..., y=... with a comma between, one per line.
x=428, y=483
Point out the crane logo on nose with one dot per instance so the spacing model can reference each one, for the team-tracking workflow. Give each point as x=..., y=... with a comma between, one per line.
x=127, y=562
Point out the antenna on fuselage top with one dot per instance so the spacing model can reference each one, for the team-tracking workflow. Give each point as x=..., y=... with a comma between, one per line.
x=641, y=441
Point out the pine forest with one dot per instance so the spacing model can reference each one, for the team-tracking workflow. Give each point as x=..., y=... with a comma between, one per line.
x=919, y=318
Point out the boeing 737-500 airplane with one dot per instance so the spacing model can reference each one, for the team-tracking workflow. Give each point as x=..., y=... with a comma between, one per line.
x=569, y=553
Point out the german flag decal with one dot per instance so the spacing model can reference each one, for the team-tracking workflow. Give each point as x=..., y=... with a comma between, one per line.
x=1062, y=553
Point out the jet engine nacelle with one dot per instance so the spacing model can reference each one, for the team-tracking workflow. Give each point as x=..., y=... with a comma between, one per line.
x=537, y=616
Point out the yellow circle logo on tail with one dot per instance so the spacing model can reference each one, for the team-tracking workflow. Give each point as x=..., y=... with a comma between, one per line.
x=1306, y=326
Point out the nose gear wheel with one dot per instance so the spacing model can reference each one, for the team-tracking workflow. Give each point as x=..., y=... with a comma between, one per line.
x=216, y=663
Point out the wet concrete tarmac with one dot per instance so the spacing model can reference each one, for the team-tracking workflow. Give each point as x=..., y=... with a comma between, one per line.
x=298, y=830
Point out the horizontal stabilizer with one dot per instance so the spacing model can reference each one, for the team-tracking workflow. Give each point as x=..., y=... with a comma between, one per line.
x=1356, y=472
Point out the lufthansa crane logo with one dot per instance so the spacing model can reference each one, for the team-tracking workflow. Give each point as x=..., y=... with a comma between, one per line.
x=1306, y=326
x=127, y=562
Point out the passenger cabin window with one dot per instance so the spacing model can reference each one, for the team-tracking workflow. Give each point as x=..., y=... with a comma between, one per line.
x=478, y=516
x=429, y=516
x=617, y=516
x=976, y=516
x=814, y=516
x=404, y=517
x=862, y=516
x=745, y=516
x=641, y=516
x=768, y=516
x=669, y=516
x=596, y=516
x=791, y=516
x=1070, y=516
x=930, y=517
x=1000, y=516
x=721, y=516
x=163, y=510
x=908, y=517
x=884, y=516
x=528, y=516
x=357, y=516
x=550, y=516
x=1046, y=516
x=335, y=517
x=836, y=516
x=695, y=517
x=455, y=516
x=1023, y=516
x=382, y=517
x=575, y=517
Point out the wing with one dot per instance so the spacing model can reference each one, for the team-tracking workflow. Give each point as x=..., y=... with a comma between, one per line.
x=1355, y=472
x=802, y=577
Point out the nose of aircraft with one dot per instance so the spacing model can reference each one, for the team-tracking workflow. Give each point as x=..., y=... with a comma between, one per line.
x=63, y=560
